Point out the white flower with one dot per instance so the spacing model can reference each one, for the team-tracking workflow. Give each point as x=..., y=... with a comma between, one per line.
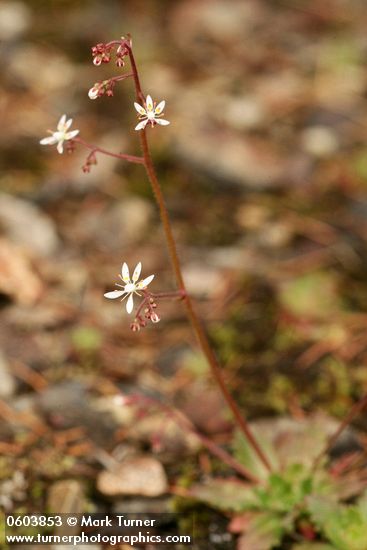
x=61, y=134
x=130, y=287
x=94, y=92
x=150, y=113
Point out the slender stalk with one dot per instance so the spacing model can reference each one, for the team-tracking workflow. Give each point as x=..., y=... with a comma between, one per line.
x=212, y=447
x=354, y=411
x=193, y=318
x=179, y=294
x=123, y=156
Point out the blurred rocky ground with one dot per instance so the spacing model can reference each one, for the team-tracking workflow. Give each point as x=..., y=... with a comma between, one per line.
x=264, y=168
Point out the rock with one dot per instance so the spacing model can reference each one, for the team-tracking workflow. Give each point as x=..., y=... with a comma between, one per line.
x=200, y=411
x=126, y=222
x=203, y=280
x=7, y=385
x=139, y=475
x=121, y=224
x=40, y=69
x=26, y=225
x=243, y=161
x=18, y=280
x=252, y=216
x=25, y=404
x=243, y=112
x=15, y=18
x=209, y=25
x=66, y=497
x=13, y=490
x=160, y=505
x=319, y=141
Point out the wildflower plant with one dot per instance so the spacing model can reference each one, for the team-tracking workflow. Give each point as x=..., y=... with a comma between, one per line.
x=149, y=113
x=275, y=500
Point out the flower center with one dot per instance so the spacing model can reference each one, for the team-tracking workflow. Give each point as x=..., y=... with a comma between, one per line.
x=130, y=287
x=60, y=135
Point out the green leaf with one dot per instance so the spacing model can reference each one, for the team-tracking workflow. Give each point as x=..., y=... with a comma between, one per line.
x=264, y=531
x=362, y=505
x=245, y=454
x=285, y=491
x=225, y=494
x=344, y=526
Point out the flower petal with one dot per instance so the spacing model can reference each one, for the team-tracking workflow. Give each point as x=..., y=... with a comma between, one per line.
x=149, y=103
x=159, y=109
x=61, y=123
x=145, y=282
x=125, y=273
x=130, y=303
x=137, y=272
x=162, y=122
x=68, y=123
x=60, y=146
x=140, y=109
x=49, y=140
x=141, y=125
x=114, y=294
x=72, y=134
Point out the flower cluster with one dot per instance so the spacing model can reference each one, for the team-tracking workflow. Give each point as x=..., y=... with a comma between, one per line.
x=149, y=315
x=91, y=160
x=150, y=113
x=61, y=134
x=102, y=53
x=121, y=53
x=101, y=88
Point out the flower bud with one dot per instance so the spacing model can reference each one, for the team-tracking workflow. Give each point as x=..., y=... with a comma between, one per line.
x=94, y=92
x=135, y=327
x=155, y=318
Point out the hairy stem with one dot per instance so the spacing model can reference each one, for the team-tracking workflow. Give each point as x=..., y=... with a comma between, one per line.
x=193, y=318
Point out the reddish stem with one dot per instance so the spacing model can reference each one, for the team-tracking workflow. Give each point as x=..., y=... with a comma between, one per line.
x=141, y=306
x=179, y=294
x=193, y=318
x=120, y=77
x=123, y=156
x=354, y=411
x=186, y=424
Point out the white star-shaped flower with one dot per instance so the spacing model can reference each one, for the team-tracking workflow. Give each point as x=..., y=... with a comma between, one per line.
x=130, y=286
x=150, y=113
x=61, y=134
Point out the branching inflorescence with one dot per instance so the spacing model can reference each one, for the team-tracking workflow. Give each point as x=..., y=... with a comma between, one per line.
x=150, y=115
